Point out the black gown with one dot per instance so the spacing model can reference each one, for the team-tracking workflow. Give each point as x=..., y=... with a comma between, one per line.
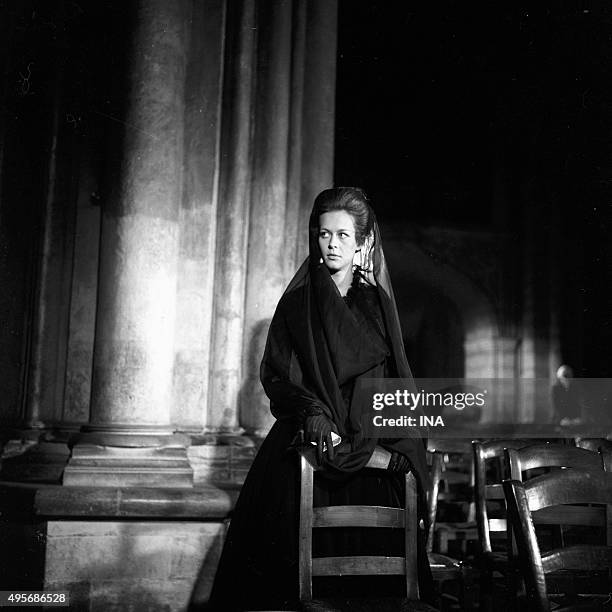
x=259, y=563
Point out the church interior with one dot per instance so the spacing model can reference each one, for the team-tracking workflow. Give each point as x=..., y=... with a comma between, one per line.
x=158, y=163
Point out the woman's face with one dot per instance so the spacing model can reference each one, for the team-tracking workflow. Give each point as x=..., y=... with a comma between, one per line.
x=337, y=240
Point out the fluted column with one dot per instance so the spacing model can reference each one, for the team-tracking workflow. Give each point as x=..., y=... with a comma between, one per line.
x=82, y=310
x=135, y=324
x=276, y=154
x=41, y=378
x=51, y=272
x=198, y=214
x=293, y=161
x=232, y=222
x=271, y=255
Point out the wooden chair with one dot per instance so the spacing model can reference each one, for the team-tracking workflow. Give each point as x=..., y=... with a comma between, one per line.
x=497, y=574
x=356, y=516
x=491, y=492
x=537, y=456
x=452, y=482
x=443, y=567
x=542, y=500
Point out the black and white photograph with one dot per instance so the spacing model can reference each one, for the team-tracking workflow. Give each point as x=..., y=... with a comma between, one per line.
x=305, y=305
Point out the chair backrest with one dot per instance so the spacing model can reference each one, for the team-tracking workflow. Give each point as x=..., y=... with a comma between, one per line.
x=451, y=480
x=451, y=477
x=554, y=455
x=484, y=451
x=356, y=516
x=543, y=500
x=594, y=444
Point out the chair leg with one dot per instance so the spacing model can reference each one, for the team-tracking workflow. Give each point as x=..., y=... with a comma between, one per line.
x=466, y=589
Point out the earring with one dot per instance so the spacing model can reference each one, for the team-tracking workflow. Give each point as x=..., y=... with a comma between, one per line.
x=320, y=260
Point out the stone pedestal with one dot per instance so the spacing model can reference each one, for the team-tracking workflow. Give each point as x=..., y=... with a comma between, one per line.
x=114, y=466
x=110, y=565
x=144, y=548
x=114, y=548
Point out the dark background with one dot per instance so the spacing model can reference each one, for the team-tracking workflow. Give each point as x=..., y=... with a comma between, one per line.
x=473, y=115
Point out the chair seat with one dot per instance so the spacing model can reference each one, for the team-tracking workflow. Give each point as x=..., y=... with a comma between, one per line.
x=443, y=567
x=496, y=560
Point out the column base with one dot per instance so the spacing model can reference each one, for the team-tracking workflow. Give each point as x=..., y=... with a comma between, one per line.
x=109, y=466
x=122, y=455
x=131, y=436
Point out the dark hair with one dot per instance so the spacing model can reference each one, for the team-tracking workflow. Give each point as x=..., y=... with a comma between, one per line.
x=353, y=200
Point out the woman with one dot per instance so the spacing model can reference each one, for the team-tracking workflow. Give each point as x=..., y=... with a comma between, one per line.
x=336, y=323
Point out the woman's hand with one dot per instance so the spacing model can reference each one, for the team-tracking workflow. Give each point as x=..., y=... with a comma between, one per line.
x=399, y=463
x=319, y=429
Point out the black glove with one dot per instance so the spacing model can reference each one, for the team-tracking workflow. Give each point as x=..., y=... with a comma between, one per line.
x=318, y=429
x=399, y=463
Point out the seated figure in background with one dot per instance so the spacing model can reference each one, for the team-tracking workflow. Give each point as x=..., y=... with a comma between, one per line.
x=567, y=403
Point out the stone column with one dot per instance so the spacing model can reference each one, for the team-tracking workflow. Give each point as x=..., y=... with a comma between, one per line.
x=276, y=154
x=293, y=161
x=198, y=214
x=270, y=254
x=129, y=440
x=40, y=379
x=232, y=221
x=527, y=400
x=82, y=310
x=50, y=237
x=52, y=273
